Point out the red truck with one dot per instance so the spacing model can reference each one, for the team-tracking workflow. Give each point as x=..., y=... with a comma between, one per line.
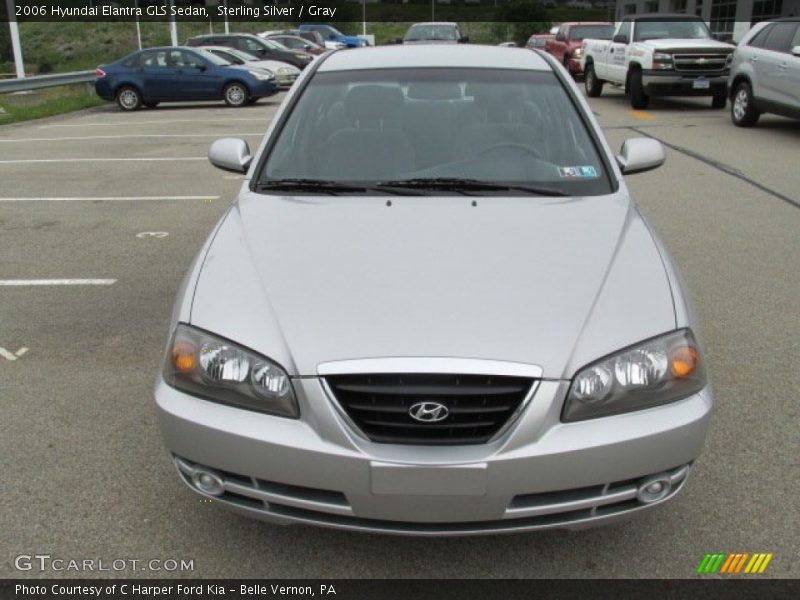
x=566, y=45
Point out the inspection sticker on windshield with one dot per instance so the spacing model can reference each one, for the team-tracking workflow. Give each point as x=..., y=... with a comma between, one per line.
x=577, y=172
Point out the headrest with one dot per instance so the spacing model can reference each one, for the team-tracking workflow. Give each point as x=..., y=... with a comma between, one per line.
x=430, y=90
x=369, y=102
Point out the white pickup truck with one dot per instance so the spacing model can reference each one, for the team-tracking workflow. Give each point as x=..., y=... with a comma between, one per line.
x=659, y=55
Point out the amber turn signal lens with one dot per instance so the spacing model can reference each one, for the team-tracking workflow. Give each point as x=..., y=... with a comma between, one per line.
x=184, y=357
x=683, y=361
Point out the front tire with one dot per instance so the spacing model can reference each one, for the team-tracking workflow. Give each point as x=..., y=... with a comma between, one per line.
x=593, y=85
x=720, y=99
x=129, y=98
x=743, y=109
x=639, y=99
x=236, y=94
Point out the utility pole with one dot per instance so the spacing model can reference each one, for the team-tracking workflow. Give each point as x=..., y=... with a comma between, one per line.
x=173, y=27
x=13, y=28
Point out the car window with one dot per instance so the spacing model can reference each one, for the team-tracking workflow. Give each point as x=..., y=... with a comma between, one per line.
x=780, y=37
x=493, y=125
x=250, y=45
x=190, y=59
x=431, y=32
x=598, y=32
x=625, y=29
x=656, y=30
x=132, y=61
x=759, y=38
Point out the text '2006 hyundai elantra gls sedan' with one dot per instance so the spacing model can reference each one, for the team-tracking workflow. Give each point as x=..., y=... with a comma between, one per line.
x=446, y=318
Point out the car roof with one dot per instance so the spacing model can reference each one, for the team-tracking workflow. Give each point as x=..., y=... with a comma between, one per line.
x=447, y=23
x=445, y=55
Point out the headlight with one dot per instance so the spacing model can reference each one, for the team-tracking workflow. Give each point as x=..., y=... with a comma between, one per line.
x=216, y=369
x=577, y=53
x=657, y=371
x=262, y=75
x=662, y=60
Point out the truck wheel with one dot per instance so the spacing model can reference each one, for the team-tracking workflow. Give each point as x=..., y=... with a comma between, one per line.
x=743, y=110
x=129, y=98
x=720, y=99
x=639, y=99
x=593, y=85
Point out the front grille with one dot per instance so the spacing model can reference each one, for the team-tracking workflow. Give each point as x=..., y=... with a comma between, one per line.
x=699, y=62
x=478, y=406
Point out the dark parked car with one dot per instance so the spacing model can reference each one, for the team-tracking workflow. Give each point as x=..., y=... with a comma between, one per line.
x=175, y=74
x=294, y=42
x=252, y=44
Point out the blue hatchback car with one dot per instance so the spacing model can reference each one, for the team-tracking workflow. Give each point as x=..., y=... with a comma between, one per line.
x=175, y=74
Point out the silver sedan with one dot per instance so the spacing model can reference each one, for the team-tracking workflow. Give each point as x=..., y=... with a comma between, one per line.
x=285, y=74
x=434, y=309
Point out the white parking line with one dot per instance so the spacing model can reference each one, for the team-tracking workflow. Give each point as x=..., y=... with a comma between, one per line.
x=12, y=355
x=61, y=160
x=28, y=282
x=126, y=137
x=89, y=124
x=107, y=198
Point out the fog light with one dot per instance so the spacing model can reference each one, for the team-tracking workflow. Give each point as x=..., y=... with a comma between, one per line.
x=208, y=482
x=654, y=489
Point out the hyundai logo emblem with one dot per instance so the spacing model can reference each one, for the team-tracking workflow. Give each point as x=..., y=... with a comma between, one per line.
x=428, y=412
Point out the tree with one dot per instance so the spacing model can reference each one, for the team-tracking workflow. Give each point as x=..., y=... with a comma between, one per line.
x=525, y=17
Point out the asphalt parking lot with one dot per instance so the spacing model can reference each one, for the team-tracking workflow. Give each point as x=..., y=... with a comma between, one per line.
x=127, y=200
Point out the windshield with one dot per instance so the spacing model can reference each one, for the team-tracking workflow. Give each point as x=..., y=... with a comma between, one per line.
x=487, y=125
x=431, y=32
x=215, y=59
x=274, y=45
x=241, y=55
x=656, y=30
x=597, y=32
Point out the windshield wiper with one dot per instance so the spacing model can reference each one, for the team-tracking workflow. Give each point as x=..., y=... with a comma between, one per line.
x=328, y=186
x=311, y=185
x=467, y=185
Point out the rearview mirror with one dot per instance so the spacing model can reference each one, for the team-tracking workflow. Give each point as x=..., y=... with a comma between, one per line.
x=230, y=154
x=641, y=154
x=796, y=50
x=620, y=39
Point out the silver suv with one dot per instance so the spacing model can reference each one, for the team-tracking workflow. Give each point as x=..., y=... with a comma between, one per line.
x=765, y=74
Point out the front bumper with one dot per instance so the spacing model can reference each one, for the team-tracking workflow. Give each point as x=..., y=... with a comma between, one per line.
x=540, y=474
x=672, y=83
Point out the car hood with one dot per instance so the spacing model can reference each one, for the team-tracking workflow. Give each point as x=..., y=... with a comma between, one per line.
x=547, y=281
x=688, y=44
x=274, y=65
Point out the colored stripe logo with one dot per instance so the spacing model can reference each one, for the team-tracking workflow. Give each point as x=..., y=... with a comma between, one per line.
x=733, y=563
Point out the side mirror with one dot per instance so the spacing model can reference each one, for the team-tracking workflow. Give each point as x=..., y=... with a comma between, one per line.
x=641, y=154
x=398, y=40
x=796, y=50
x=464, y=39
x=230, y=154
x=620, y=39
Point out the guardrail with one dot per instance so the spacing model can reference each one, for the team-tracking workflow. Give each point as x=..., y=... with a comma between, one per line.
x=44, y=81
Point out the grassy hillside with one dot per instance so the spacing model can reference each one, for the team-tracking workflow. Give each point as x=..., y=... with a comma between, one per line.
x=64, y=46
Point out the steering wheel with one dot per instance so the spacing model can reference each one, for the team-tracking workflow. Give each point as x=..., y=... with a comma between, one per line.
x=514, y=146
